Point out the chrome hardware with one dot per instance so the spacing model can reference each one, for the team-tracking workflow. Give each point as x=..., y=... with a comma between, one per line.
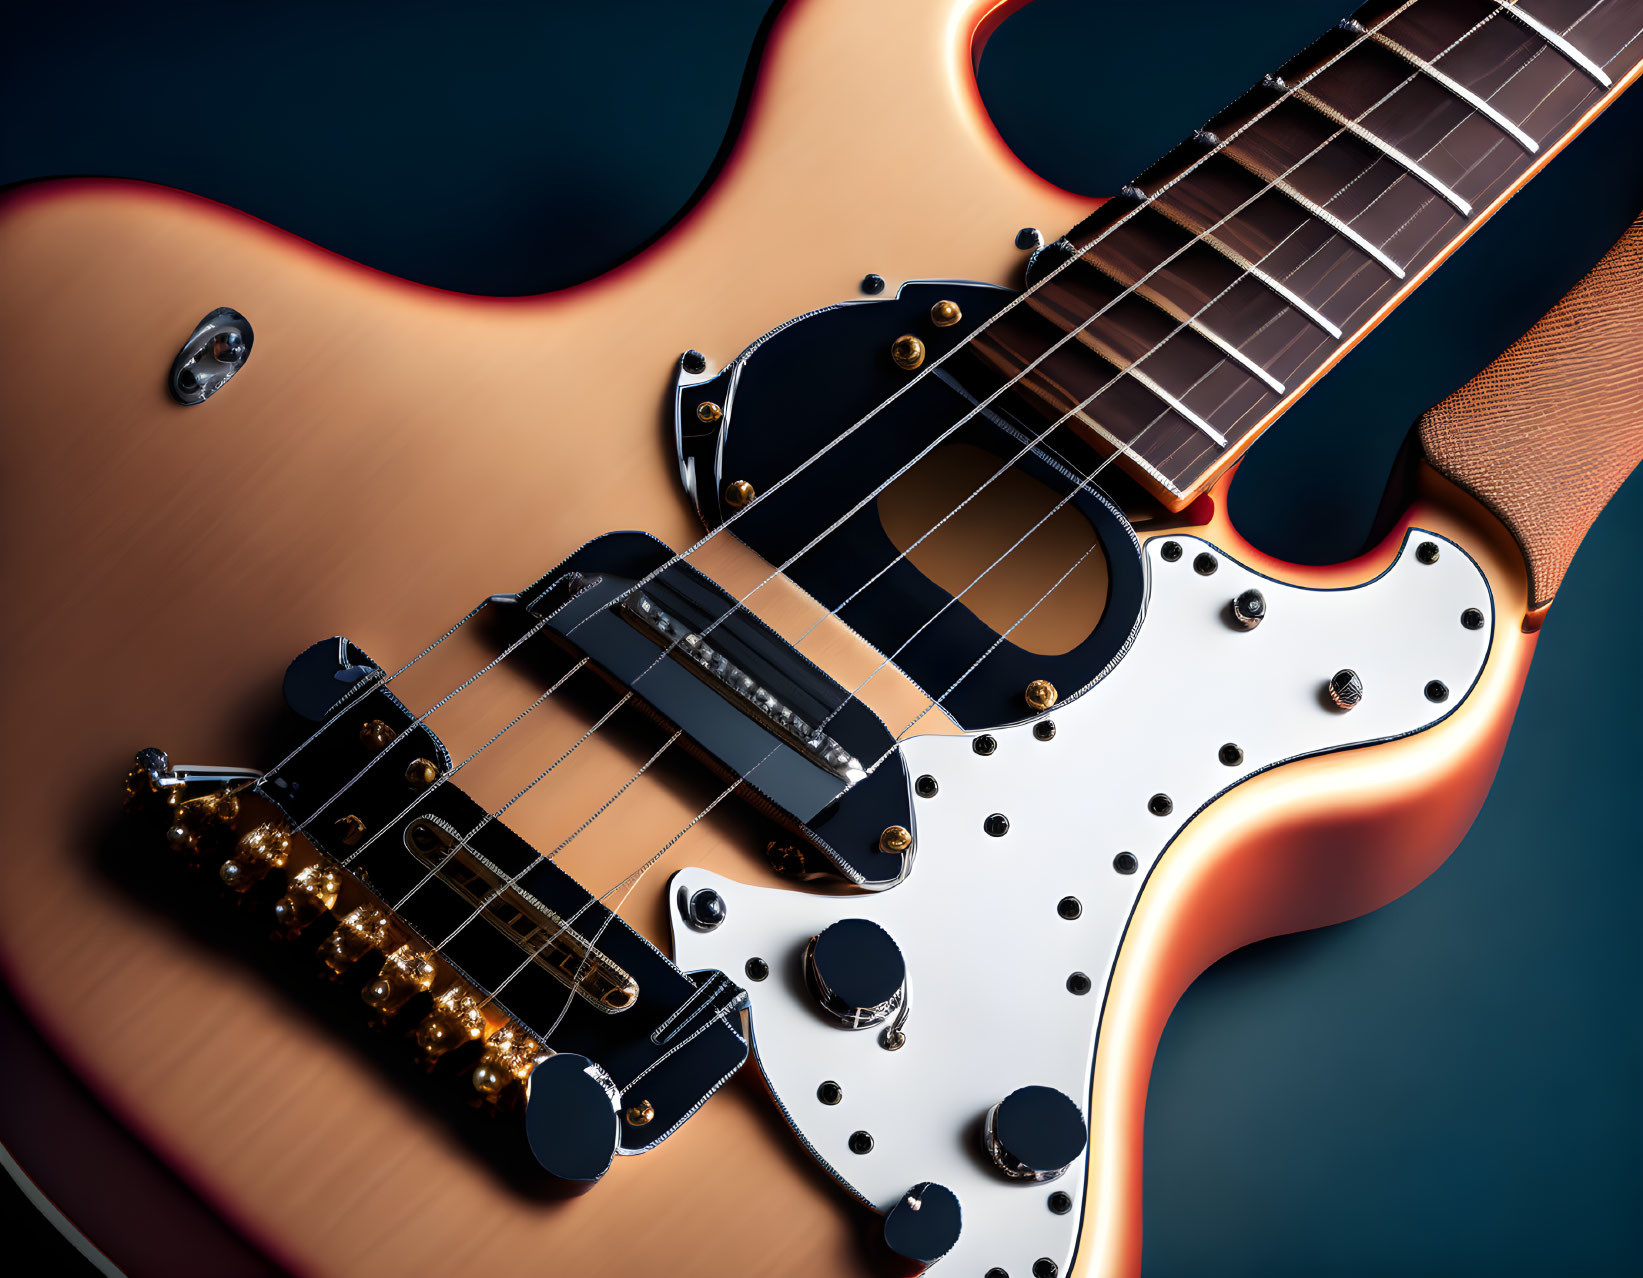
x=1345, y=689
x=1034, y=1134
x=856, y=972
x=216, y=350
x=742, y=688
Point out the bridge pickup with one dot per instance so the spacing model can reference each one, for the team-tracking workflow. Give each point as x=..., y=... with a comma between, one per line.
x=740, y=688
x=746, y=702
x=537, y=930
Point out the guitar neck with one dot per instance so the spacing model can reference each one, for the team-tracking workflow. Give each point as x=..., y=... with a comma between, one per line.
x=1181, y=319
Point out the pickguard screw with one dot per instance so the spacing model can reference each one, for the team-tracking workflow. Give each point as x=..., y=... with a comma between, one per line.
x=861, y=1142
x=639, y=1115
x=1160, y=805
x=1205, y=564
x=1437, y=690
x=1069, y=908
x=997, y=825
x=421, y=773
x=1125, y=863
x=945, y=314
x=872, y=284
x=1078, y=983
x=926, y=787
x=1061, y=1203
x=830, y=1093
x=1249, y=609
x=757, y=969
x=984, y=744
x=996, y=1272
x=1028, y=237
x=1427, y=552
x=1472, y=619
x=1044, y=1267
x=374, y=734
x=907, y=351
x=693, y=362
x=893, y=1040
x=1040, y=695
x=738, y=493
x=895, y=839
x=1170, y=551
x=350, y=829
x=1345, y=689
x=707, y=412
x=1044, y=730
x=1231, y=755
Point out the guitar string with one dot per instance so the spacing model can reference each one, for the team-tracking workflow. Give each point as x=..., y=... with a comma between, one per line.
x=511, y=882
x=369, y=685
x=633, y=878
x=1001, y=638
x=1013, y=626
x=841, y=520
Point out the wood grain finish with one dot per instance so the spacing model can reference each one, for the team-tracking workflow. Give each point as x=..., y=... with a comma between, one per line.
x=1272, y=241
x=164, y=564
x=1547, y=433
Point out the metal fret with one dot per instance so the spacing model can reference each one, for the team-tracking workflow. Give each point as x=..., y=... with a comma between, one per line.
x=1458, y=90
x=1407, y=163
x=1128, y=369
x=1574, y=55
x=1284, y=293
x=1159, y=302
x=1318, y=211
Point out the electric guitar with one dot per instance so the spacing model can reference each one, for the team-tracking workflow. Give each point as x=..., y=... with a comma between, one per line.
x=862, y=682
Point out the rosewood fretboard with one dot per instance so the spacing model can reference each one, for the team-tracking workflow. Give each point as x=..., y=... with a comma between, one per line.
x=1179, y=320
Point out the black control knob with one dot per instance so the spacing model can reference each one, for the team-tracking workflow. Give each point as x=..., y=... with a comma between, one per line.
x=924, y=1224
x=571, y=1119
x=856, y=972
x=1249, y=609
x=1034, y=1133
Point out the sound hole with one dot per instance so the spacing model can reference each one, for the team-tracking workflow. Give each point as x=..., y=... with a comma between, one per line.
x=967, y=543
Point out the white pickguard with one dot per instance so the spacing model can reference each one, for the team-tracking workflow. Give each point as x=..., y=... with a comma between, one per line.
x=988, y=955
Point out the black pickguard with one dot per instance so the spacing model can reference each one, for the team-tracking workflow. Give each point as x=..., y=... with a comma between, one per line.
x=801, y=387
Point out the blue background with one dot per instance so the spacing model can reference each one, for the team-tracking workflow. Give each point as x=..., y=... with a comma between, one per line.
x=1449, y=1086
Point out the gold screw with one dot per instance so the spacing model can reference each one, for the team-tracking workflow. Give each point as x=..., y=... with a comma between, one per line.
x=896, y=838
x=640, y=1114
x=1041, y=694
x=907, y=351
x=374, y=734
x=738, y=493
x=945, y=314
x=349, y=830
x=707, y=412
x=421, y=773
